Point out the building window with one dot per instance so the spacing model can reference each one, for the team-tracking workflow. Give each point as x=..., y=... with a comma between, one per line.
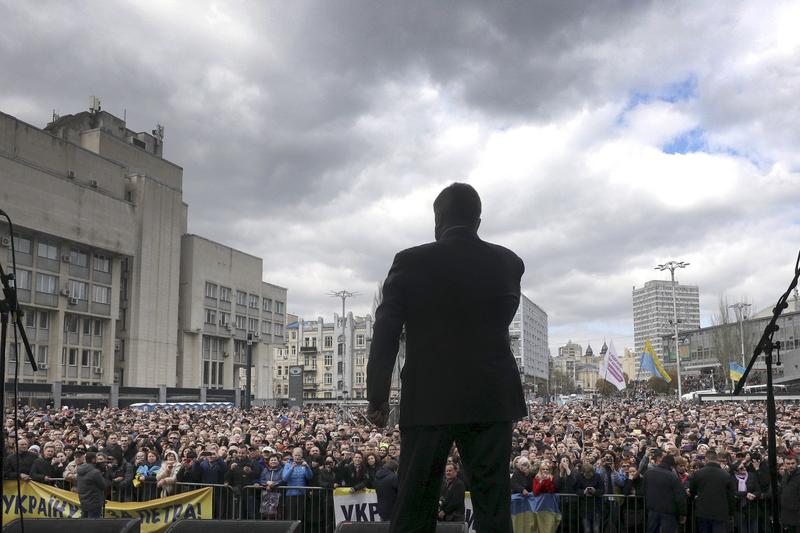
x=241, y=322
x=85, y=356
x=101, y=263
x=278, y=329
x=78, y=258
x=23, y=279
x=22, y=245
x=98, y=328
x=44, y=319
x=41, y=355
x=213, y=362
x=224, y=294
x=340, y=349
x=328, y=378
x=328, y=341
x=359, y=340
x=279, y=307
x=280, y=369
x=46, y=283
x=102, y=295
x=224, y=319
x=266, y=305
x=266, y=327
x=360, y=360
x=239, y=351
x=77, y=289
x=87, y=326
x=72, y=359
x=47, y=250
x=328, y=359
x=211, y=290
x=211, y=316
x=241, y=298
x=96, y=360
x=252, y=324
x=359, y=378
x=253, y=301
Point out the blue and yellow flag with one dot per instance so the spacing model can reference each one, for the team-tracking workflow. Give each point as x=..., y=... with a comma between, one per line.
x=737, y=371
x=652, y=363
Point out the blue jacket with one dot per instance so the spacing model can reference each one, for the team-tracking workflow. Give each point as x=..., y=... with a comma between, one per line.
x=275, y=476
x=296, y=477
x=213, y=472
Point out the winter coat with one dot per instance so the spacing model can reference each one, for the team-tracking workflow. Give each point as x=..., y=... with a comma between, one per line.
x=26, y=460
x=714, y=491
x=296, y=476
x=663, y=492
x=40, y=469
x=790, y=498
x=91, y=488
x=169, y=477
x=543, y=486
x=213, y=472
x=451, y=501
x=521, y=481
x=386, y=487
x=267, y=475
x=581, y=484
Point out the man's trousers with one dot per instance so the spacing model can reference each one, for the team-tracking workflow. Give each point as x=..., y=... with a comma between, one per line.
x=485, y=450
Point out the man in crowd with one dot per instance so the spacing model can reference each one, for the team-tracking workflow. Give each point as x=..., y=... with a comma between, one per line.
x=713, y=491
x=664, y=496
x=91, y=488
x=790, y=496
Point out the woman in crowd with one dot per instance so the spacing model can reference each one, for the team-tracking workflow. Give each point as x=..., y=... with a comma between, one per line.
x=167, y=474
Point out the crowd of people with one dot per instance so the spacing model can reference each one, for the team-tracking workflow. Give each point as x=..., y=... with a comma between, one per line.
x=586, y=449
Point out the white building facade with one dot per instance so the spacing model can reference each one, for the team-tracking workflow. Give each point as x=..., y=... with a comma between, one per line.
x=528, y=333
x=653, y=313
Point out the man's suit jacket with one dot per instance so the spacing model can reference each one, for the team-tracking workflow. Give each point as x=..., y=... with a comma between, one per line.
x=456, y=298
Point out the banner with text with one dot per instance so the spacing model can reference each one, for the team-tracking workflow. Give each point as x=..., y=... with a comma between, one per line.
x=43, y=501
x=362, y=506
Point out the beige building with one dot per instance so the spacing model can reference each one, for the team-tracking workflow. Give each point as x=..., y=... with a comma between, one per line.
x=99, y=221
x=225, y=305
x=333, y=356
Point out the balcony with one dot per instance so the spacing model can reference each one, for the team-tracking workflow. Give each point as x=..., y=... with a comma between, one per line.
x=309, y=386
x=308, y=349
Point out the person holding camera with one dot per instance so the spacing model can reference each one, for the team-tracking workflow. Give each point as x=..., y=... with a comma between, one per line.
x=91, y=487
x=589, y=485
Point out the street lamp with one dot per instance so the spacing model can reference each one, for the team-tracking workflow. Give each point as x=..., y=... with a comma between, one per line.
x=739, y=308
x=249, y=373
x=671, y=266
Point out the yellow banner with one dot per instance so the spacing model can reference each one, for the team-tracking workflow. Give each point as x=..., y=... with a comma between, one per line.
x=43, y=501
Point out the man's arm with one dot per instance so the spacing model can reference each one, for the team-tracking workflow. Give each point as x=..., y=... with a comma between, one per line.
x=389, y=319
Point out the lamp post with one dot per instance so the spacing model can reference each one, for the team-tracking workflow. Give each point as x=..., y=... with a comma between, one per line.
x=249, y=372
x=671, y=266
x=739, y=308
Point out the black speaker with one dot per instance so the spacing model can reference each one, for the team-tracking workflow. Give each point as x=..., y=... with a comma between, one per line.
x=234, y=526
x=383, y=527
x=85, y=525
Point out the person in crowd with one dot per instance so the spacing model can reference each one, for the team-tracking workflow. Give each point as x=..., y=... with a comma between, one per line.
x=42, y=467
x=451, y=496
x=24, y=457
x=167, y=475
x=357, y=476
x=521, y=478
x=120, y=474
x=664, y=496
x=386, y=487
x=543, y=481
x=748, y=493
x=92, y=487
x=589, y=485
x=271, y=478
x=296, y=474
x=713, y=491
x=790, y=495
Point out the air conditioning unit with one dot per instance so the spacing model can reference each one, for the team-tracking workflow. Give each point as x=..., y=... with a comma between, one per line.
x=98, y=370
x=65, y=258
x=93, y=183
x=5, y=241
x=42, y=366
x=226, y=354
x=256, y=334
x=64, y=292
x=71, y=174
x=72, y=300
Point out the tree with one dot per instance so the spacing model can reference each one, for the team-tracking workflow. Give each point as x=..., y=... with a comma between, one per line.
x=560, y=382
x=726, y=338
x=604, y=388
x=659, y=386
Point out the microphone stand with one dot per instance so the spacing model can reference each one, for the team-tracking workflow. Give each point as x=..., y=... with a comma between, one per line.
x=765, y=346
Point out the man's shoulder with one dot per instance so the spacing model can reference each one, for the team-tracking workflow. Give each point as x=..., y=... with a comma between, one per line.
x=422, y=250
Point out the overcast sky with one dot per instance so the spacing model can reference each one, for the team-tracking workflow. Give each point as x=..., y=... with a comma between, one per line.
x=603, y=137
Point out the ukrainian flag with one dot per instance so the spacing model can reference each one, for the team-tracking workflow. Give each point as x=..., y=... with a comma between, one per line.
x=737, y=371
x=535, y=513
x=652, y=363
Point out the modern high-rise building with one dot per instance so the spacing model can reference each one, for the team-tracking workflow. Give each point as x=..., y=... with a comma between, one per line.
x=653, y=314
x=99, y=220
x=528, y=333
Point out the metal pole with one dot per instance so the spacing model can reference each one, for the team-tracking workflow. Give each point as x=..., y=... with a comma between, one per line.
x=675, y=319
x=249, y=372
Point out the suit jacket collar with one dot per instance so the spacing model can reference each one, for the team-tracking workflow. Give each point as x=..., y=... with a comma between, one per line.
x=456, y=232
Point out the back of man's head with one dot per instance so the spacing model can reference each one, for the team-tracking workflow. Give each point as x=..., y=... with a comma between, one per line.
x=711, y=456
x=91, y=457
x=390, y=464
x=457, y=205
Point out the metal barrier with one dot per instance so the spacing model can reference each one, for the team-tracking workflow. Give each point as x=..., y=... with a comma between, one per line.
x=313, y=506
x=143, y=491
x=223, y=499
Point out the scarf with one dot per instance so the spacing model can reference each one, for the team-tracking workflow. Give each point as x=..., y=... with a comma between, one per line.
x=742, y=482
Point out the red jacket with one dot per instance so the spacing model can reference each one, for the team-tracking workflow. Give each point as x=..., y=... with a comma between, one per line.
x=543, y=486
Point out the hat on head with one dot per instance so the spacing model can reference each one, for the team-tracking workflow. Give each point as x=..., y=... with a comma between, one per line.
x=34, y=449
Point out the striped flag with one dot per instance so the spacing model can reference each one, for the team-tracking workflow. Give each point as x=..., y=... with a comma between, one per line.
x=611, y=369
x=736, y=370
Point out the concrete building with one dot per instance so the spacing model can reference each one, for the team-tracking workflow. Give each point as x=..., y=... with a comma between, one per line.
x=653, y=314
x=223, y=305
x=99, y=219
x=529, y=328
x=583, y=368
x=630, y=362
x=333, y=356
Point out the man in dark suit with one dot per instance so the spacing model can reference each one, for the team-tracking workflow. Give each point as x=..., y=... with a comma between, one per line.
x=456, y=298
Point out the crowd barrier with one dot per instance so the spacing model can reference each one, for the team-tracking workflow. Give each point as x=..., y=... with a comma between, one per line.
x=313, y=507
x=88, y=525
